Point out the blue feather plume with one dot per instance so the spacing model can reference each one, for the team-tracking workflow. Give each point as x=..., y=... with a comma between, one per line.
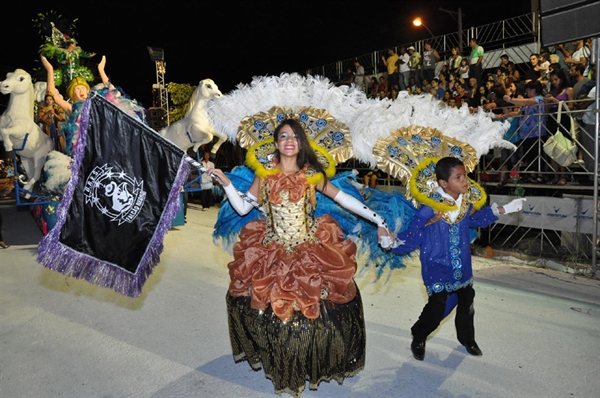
x=229, y=222
x=398, y=213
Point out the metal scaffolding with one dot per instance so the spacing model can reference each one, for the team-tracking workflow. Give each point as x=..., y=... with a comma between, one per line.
x=158, y=56
x=518, y=36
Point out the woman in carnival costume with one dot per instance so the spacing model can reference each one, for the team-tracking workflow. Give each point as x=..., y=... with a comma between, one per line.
x=293, y=305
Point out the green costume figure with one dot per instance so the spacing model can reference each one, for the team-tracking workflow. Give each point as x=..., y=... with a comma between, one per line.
x=68, y=55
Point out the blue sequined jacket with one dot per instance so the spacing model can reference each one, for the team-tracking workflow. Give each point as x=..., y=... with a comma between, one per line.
x=445, y=246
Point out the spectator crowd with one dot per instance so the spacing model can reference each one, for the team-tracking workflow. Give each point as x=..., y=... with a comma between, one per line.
x=510, y=91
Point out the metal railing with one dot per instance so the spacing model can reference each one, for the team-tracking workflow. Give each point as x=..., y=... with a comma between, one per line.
x=531, y=164
x=518, y=36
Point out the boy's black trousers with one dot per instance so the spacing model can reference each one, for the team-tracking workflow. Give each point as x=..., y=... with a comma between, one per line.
x=433, y=314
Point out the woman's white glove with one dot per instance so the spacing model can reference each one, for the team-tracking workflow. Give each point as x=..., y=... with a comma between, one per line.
x=241, y=206
x=360, y=209
x=514, y=206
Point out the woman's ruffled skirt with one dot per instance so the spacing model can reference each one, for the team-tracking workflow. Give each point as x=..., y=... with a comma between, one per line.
x=298, y=314
x=331, y=347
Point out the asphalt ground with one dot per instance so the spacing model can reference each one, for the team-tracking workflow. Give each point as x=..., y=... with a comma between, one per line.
x=539, y=330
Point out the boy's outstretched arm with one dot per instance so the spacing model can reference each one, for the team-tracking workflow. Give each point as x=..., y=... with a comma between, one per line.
x=489, y=214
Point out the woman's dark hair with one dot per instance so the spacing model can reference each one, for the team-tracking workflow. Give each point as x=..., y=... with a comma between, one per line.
x=306, y=155
x=564, y=82
x=536, y=85
x=444, y=166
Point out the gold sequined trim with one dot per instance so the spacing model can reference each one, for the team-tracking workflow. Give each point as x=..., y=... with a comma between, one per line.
x=424, y=189
x=329, y=138
x=404, y=149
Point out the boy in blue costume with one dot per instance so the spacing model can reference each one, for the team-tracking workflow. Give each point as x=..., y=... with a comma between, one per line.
x=443, y=237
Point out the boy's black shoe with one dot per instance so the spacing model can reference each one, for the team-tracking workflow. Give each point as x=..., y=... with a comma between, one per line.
x=473, y=348
x=418, y=349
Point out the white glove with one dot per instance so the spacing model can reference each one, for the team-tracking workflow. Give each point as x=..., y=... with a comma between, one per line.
x=514, y=206
x=387, y=242
x=360, y=209
x=241, y=206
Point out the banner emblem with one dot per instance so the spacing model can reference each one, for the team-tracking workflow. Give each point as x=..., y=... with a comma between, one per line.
x=116, y=194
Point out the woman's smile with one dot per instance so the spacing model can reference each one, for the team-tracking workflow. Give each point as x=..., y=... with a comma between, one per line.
x=287, y=141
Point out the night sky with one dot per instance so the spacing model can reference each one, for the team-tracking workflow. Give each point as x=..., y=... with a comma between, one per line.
x=230, y=42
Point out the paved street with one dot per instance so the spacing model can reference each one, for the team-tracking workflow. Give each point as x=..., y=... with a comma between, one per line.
x=61, y=337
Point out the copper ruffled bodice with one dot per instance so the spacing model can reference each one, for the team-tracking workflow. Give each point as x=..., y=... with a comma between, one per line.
x=292, y=260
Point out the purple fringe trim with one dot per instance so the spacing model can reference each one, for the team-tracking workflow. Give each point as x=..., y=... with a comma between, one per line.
x=55, y=256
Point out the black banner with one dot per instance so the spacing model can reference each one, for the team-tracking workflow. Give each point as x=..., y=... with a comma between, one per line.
x=122, y=196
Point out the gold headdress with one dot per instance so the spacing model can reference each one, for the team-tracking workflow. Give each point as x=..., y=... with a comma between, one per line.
x=250, y=114
x=328, y=137
x=411, y=153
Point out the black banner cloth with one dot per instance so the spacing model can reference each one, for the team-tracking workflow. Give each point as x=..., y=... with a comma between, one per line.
x=120, y=201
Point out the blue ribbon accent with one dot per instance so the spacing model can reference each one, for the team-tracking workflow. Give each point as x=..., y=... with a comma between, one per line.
x=24, y=143
x=189, y=137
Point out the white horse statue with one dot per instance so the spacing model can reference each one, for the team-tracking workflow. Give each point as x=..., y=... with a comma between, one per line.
x=19, y=131
x=196, y=129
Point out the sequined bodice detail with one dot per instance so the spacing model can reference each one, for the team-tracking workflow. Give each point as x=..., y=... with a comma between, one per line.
x=291, y=223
